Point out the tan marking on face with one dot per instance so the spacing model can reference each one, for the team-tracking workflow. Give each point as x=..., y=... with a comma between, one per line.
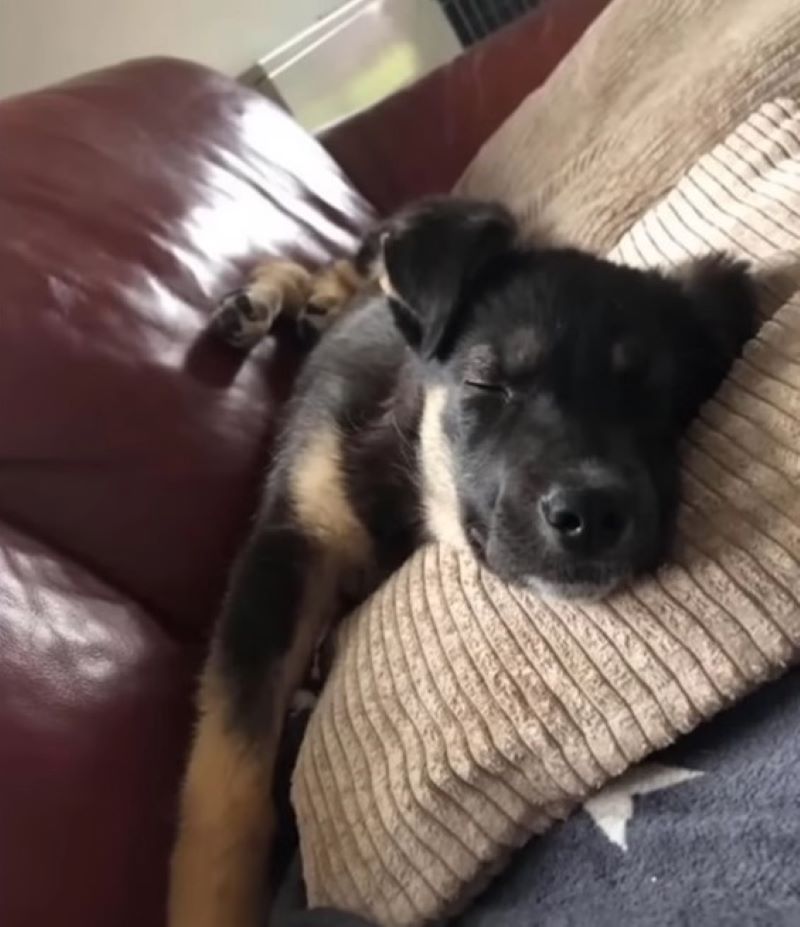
x=226, y=820
x=319, y=495
x=440, y=497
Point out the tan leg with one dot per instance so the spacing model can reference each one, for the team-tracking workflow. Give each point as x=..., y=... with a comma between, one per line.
x=284, y=288
x=226, y=821
x=285, y=590
x=275, y=288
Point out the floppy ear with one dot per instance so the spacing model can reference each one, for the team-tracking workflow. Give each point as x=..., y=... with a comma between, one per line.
x=723, y=295
x=428, y=256
x=723, y=308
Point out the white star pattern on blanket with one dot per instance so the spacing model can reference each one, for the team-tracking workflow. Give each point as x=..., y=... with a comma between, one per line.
x=612, y=807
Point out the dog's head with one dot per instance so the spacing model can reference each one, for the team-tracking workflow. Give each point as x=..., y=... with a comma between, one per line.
x=558, y=387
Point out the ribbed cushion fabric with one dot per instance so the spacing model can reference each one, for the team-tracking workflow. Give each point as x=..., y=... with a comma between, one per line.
x=650, y=87
x=463, y=716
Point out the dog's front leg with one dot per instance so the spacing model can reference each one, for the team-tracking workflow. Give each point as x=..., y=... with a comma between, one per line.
x=285, y=589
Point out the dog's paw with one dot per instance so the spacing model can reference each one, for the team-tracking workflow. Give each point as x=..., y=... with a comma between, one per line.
x=243, y=318
x=311, y=302
x=276, y=288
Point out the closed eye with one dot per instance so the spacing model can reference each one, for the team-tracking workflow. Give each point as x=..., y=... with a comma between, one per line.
x=488, y=386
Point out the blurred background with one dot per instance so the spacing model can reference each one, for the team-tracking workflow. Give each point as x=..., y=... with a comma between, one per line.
x=324, y=59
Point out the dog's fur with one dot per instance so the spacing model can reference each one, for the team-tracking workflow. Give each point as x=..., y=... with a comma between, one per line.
x=523, y=401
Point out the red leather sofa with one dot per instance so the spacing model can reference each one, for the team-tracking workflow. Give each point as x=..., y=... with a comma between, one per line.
x=131, y=446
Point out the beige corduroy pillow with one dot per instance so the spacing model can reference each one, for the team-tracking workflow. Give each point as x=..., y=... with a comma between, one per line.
x=463, y=716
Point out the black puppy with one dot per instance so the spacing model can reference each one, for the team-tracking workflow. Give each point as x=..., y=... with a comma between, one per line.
x=526, y=402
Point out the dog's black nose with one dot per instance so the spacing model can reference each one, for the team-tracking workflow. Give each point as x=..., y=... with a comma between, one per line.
x=589, y=520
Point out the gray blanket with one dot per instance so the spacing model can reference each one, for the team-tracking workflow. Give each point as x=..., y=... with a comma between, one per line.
x=706, y=834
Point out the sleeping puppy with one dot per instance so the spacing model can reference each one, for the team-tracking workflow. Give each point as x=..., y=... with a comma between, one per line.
x=521, y=401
